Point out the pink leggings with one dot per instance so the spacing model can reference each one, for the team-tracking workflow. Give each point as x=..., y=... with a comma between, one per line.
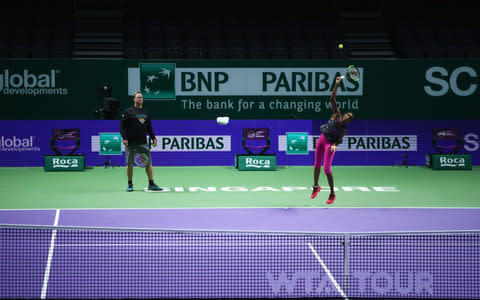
x=323, y=151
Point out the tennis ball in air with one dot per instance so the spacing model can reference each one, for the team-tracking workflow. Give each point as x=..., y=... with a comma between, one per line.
x=340, y=46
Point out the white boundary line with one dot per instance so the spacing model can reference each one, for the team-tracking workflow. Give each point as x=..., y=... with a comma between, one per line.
x=337, y=286
x=50, y=256
x=199, y=244
x=236, y=207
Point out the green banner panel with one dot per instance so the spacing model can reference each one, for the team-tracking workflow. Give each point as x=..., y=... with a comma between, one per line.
x=246, y=162
x=110, y=143
x=64, y=163
x=449, y=161
x=296, y=143
x=403, y=89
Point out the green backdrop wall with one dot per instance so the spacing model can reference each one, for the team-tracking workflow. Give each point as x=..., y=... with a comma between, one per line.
x=388, y=89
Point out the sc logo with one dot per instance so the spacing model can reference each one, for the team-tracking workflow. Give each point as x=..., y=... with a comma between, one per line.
x=442, y=82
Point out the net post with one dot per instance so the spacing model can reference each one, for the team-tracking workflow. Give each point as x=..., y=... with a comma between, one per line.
x=345, y=261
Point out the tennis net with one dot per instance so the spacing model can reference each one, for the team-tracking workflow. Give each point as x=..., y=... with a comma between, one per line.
x=61, y=262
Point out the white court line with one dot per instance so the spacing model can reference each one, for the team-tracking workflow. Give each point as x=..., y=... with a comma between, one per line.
x=197, y=244
x=337, y=286
x=50, y=256
x=239, y=207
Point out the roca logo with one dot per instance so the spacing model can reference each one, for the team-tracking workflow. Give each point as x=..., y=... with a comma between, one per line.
x=441, y=81
x=57, y=162
x=251, y=161
x=450, y=160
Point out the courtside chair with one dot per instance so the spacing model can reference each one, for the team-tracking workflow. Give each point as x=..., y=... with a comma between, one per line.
x=447, y=140
x=65, y=141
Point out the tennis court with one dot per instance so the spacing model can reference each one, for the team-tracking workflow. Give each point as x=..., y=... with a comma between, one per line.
x=393, y=232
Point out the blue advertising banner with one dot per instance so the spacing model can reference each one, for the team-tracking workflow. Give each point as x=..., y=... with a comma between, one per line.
x=206, y=143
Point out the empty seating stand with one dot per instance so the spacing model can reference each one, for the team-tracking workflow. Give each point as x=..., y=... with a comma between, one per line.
x=131, y=29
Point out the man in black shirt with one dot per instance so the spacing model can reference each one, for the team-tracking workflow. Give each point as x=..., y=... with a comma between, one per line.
x=134, y=126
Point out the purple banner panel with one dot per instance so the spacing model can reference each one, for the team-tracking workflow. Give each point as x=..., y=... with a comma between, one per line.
x=206, y=143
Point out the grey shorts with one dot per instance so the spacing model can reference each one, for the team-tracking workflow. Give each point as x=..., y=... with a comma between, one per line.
x=132, y=150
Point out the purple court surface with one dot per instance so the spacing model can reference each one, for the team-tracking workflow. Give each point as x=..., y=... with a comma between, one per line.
x=232, y=260
x=322, y=220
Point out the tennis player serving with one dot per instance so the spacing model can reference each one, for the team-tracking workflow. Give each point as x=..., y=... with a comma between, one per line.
x=332, y=134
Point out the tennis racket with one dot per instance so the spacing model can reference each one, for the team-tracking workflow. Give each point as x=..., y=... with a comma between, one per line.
x=352, y=73
x=141, y=159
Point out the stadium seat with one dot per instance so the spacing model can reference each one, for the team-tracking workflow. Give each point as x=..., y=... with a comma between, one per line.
x=455, y=51
x=40, y=50
x=216, y=48
x=279, y=49
x=195, y=49
x=153, y=49
x=473, y=51
x=237, y=49
x=256, y=50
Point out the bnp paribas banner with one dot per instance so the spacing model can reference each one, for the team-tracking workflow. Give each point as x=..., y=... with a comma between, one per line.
x=189, y=89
